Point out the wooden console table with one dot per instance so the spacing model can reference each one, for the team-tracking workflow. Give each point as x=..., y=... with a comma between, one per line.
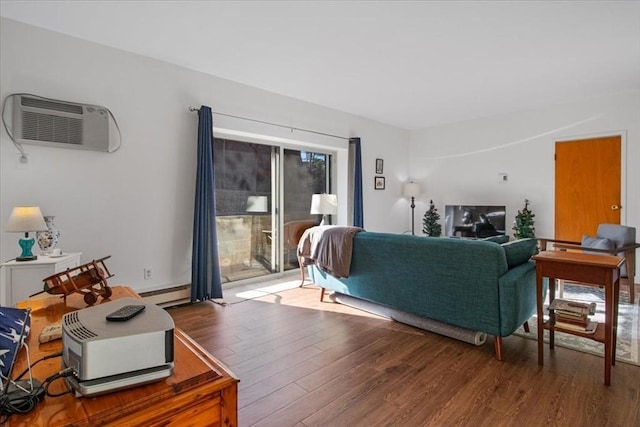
x=199, y=392
x=588, y=270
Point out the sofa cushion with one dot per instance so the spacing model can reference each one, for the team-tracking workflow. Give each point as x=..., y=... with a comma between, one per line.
x=519, y=251
x=499, y=239
x=597, y=242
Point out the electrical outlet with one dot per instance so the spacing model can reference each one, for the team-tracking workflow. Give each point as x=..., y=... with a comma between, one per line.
x=147, y=273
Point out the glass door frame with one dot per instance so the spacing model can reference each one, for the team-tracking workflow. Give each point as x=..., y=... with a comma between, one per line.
x=277, y=198
x=276, y=221
x=278, y=217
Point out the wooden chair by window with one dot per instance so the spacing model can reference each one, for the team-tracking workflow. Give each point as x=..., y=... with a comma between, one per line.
x=293, y=231
x=610, y=239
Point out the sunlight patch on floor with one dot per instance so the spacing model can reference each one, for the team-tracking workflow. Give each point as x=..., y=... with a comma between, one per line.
x=287, y=291
x=266, y=290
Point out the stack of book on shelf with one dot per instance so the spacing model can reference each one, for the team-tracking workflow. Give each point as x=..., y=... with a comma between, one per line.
x=574, y=315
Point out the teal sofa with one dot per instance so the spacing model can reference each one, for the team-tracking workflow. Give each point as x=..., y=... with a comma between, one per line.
x=474, y=284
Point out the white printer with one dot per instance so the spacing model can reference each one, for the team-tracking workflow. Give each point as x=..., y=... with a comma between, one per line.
x=107, y=355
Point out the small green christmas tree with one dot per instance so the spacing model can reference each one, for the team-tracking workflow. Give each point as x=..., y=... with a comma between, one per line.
x=523, y=225
x=431, y=227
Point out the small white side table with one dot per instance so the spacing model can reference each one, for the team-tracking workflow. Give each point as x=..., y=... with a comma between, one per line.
x=19, y=279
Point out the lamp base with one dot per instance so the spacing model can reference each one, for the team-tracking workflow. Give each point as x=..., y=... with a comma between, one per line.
x=326, y=220
x=413, y=216
x=26, y=244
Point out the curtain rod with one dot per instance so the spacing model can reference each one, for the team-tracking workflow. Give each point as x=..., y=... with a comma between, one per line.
x=194, y=109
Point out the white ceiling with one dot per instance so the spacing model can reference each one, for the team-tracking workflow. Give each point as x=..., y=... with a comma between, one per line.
x=408, y=64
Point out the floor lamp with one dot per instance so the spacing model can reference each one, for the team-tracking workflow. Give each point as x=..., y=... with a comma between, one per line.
x=412, y=190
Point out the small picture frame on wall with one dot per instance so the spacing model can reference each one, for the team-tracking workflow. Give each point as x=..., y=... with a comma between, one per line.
x=379, y=166
x=379, y=183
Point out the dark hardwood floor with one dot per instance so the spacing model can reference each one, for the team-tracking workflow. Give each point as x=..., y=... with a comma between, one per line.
x=306, y=363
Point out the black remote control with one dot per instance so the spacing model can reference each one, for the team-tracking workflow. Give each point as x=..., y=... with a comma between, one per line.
x=125, y=313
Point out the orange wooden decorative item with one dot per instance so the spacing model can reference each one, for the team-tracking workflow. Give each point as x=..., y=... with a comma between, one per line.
x=88, y=279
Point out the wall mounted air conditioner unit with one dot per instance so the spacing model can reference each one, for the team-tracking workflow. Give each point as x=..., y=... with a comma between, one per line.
x=64, y=124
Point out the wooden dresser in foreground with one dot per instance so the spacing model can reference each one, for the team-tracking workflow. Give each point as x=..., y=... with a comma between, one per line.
x=200, y=392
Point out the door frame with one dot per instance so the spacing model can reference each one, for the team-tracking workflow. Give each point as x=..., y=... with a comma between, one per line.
x=623, y=165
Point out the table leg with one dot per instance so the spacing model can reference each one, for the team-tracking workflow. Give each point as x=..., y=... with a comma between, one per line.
x=616, y=301
x=552, y=319
x=608, y=330
x=540, y=314
x=301, y=264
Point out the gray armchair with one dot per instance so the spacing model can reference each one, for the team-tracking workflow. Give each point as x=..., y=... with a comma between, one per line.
x=610, y=239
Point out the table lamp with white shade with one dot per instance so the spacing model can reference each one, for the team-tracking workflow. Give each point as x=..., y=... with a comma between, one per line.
x=24, y=219
x=325, y=205
x=257, y=204
x=412, y=190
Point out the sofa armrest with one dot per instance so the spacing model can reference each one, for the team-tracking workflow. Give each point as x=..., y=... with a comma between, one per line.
x=517, y=297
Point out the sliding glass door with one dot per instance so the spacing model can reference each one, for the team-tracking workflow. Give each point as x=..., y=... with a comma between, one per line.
x=254, y=183
x=305, y=173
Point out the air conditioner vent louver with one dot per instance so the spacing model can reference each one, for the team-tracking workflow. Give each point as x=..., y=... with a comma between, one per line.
x=61, y=124
x=76, y=328
x=51, y=105
x=45, y=127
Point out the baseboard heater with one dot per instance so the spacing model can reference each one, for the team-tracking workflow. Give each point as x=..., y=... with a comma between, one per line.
x=462, y=334
x=169, y=297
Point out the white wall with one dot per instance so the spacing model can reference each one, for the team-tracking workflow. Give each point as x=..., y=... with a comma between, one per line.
x=137, y=203
x=459, y=163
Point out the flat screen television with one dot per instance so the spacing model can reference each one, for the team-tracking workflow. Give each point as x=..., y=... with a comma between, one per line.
x=474, y=221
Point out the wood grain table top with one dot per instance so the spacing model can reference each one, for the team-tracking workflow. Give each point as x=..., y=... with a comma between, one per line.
x=193, y=369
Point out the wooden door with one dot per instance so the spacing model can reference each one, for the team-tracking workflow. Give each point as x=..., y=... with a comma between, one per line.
x=587, y=186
